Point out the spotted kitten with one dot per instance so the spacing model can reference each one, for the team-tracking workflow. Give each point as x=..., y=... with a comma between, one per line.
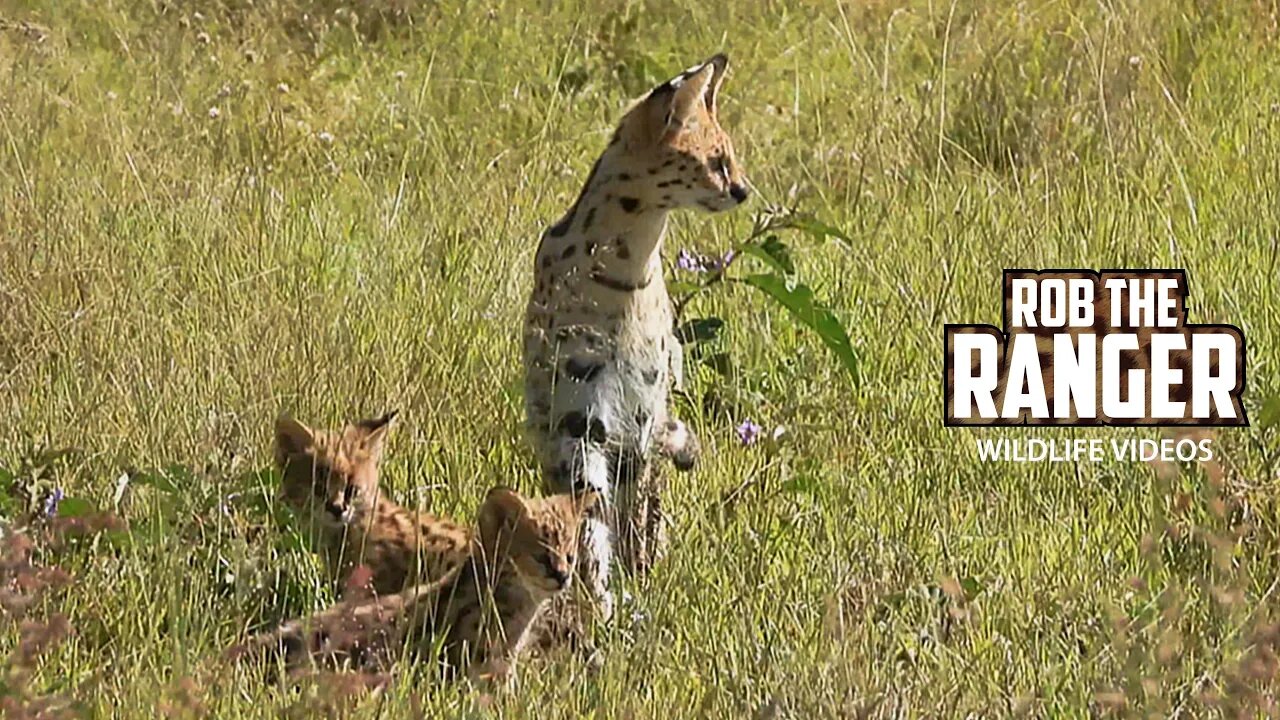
x=331, y=479
x=482, y=613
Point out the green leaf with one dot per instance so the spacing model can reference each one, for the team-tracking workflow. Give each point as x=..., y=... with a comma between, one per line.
x=815, y=227
x=720, y=362
x=772, y=251
x=801, y=485
x=120, y=539
x=682, y=287
x=292, y=541
x=7, y=484
x=8, y=498
x=1269, y=416
x=971, y=586
x=73, y=507
x=180, y=475
x=158, y=480
x=263, y=479
x=798, y=299
x=699, y=330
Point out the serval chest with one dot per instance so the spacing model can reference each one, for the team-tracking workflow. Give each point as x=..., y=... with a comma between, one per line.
x=598, y=343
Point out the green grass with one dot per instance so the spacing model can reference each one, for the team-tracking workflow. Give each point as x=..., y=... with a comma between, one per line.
x=171, y=281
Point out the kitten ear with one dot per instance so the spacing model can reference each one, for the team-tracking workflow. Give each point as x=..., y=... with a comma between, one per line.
x=502, y=509
x=375, y=432
x=585, y=502
x=292, y=437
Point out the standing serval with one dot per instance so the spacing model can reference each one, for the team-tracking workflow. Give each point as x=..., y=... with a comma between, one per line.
x=599, y=349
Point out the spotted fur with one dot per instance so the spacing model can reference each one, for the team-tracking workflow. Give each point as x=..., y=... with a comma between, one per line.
x=522, y=554
x=600, y=356
x=331, y=479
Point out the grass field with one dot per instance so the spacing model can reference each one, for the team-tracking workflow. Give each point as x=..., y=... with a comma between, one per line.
x=212, y=212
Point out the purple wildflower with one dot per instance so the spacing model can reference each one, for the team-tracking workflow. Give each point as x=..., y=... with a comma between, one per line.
x=693, y=262
x=748, y=432
x=689, y=262
x=724, y=260
x=51, y=502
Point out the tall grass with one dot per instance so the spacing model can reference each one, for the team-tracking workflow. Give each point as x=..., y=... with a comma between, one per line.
x=211, y=212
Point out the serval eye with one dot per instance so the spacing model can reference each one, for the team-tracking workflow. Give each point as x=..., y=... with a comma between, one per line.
x=720, y=166
x=348, y=493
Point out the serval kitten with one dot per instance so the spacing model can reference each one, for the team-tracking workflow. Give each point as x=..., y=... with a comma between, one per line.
x=521, y=556
x=331, y=479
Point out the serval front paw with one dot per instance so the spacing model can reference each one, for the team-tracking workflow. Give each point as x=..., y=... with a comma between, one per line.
x=681, y=445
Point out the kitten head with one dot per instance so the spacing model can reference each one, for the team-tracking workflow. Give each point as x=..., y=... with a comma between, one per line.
x=539, y=536
x=330, y=474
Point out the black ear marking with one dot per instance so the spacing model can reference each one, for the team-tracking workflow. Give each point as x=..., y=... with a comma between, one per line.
x=719, y=63
x=664, y=88
x=372, y=424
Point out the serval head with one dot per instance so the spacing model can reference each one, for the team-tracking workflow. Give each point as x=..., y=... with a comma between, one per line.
x=539, y=536
x=674, y=137
x=330, y=474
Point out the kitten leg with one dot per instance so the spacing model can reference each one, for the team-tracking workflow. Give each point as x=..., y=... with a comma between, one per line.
x=589, y=469
x=579, y=462
x=655, y=522
x=628, y=473
x=646, y=523
x=594, y=559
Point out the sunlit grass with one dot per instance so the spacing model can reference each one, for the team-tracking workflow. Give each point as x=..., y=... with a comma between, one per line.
x=352, y=231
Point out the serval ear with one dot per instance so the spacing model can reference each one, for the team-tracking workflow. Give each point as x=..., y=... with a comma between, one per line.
x=685, y=94
x=374, y=432
x=719, y=64
x=292, y=438
x=501, y=512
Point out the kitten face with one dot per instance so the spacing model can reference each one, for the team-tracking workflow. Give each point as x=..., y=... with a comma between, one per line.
x=539, y=536
x=330, y=475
